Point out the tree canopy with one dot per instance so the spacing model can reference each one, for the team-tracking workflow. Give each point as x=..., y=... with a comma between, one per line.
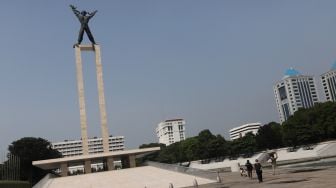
x=30, y=149
x=306, y=126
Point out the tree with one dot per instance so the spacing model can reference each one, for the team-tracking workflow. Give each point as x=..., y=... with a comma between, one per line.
x=190, y=148
x=217, y=147
x=204, y=138
x=269, y=136
x=311, y=125
x=152, y=156
x=245, y=146
x=30, y=149
x=172, y=154
x=150, y=145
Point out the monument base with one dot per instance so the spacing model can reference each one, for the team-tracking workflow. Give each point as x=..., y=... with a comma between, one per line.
x=86, y=160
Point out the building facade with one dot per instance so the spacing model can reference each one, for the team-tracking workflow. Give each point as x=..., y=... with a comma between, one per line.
x=171, y=131
x=241, y=131
x=329, y=83
x=294, y=91
x=70, y=148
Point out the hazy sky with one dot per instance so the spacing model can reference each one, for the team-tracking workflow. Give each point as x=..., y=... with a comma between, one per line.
x=210, y=62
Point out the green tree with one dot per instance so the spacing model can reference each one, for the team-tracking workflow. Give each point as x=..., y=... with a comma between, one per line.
x=151, y=145
x=311, y=125
x=269, y=136
x=205, y=137
x=190, y=148
x=243, y=146
x=217, y=147
x=152, y=156
x=30, y=149
x=172, y=154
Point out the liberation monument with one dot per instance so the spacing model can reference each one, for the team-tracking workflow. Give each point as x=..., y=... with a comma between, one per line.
x=127, y=156
x=84, y=20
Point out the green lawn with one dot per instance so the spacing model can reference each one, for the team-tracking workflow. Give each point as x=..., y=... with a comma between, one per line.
x=14, y=184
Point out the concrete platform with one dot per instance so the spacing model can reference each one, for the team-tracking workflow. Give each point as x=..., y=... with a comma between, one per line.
x=300, y=177
x=141, y=177
x=128, y=156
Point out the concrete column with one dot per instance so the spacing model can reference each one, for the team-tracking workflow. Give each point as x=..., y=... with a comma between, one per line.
x=110, y=164
x=64, y=169
x=87, y=166
x=101, y=98
x=131, y=159
x=82, y=111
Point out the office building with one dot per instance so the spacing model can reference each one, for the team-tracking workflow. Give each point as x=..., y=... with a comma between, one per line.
x=70, y=148
x=171, y=131
x=241, y=131
x=294, y=91
x=329, y=83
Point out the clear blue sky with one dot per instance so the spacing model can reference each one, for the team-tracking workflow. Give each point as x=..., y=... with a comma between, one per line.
x=211, y=62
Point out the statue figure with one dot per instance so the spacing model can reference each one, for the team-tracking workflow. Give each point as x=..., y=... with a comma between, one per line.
x=84, y=18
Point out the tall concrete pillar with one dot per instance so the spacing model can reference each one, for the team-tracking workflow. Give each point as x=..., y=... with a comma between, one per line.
x=101, y=97
x=64, y=169
x=131, y=159
x=110, y=163
x=82, y=110
x=87, y=166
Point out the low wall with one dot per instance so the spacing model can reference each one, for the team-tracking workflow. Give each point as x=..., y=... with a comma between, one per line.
x=191, y=171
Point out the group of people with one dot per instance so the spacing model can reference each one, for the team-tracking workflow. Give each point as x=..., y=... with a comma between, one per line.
x=249, y=168
x=258, y=168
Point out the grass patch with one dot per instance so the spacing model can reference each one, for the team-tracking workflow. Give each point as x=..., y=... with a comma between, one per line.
x=14, y=184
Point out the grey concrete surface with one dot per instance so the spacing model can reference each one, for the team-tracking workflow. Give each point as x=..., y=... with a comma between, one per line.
x=300, y=177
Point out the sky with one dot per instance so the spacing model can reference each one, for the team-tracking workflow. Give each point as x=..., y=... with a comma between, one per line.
x=212, y=63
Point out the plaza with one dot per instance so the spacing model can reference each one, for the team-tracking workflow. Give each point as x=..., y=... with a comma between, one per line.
x=308, y=175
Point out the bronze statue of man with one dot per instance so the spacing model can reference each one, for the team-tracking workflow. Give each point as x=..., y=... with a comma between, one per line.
x=84, y=18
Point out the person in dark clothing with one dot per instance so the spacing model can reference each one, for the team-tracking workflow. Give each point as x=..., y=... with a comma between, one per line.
x=257, y=167
x=84, y=18
x=249, y=169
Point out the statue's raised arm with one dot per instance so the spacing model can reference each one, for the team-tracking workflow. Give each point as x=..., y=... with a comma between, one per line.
x=92, y=13
x=74, y=10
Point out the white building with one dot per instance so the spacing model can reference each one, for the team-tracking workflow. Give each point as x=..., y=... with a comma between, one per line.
x=171, y=131
x=241, y=131
x=294, y=91
x=329, y=83
x=70, y=148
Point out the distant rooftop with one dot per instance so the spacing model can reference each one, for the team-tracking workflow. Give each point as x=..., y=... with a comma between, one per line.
x=170, y=120
x=291, y=72
x=333, y=67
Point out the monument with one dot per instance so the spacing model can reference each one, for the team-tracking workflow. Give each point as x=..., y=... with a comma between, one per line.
x=127, y=157
x=84, y=20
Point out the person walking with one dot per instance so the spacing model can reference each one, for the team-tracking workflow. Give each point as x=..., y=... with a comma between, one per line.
x=249, y=169
x=274, y=157
x=258, y=169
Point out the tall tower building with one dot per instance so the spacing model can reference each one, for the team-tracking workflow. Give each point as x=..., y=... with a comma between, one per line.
x=329, y=83
x=171, y=131
x=294, y=91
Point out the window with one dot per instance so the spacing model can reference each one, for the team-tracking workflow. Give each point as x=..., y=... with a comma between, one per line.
x=180, y=127
x=282, y=93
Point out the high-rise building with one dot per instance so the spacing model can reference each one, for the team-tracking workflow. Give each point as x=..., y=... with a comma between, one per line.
x=294, y=91
x=329, y=83
x=171, y=131
x=241, y=131
x=70, y=148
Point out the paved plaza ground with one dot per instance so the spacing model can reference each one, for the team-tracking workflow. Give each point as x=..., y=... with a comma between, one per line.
x=300, y=177
x=304, y=175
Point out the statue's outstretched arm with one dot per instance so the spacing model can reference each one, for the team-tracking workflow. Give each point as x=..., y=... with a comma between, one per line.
x=74, y=10
x=92, y=13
